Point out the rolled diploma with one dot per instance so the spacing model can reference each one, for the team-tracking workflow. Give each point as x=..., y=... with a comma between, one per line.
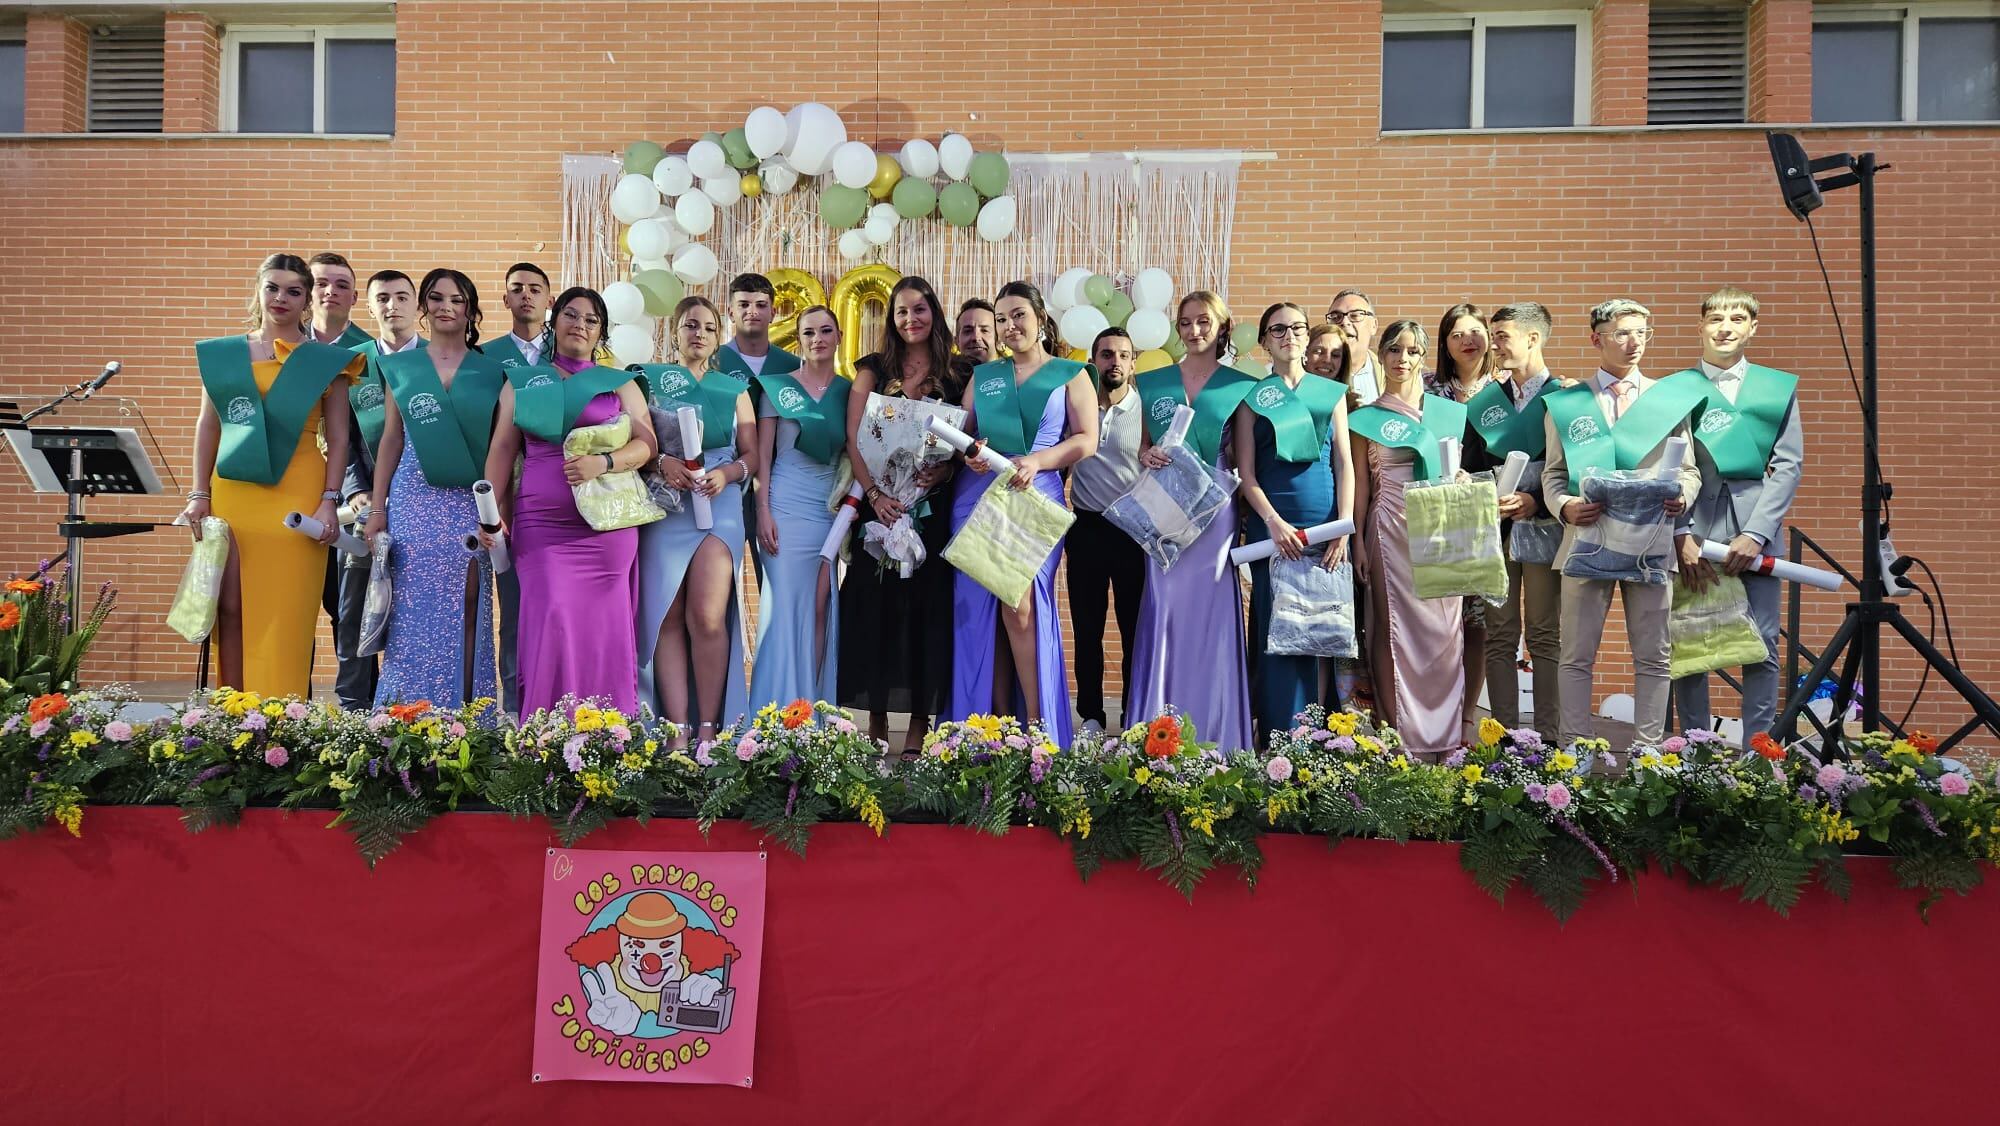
x=1672, y=456
x=349, y=513
x=850, y=510
x=310, y=528
x=489, y=522
x=1317, y=534
x=1515, y=468
x=961, y=441
x=704, y=514
x=1449, y=456
x=1777, y=568
x=1178, y=428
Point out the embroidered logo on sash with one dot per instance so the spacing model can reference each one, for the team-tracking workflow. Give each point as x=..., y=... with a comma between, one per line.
x=368, y=396
x=992, y=386
x=240, y=410
x=423, y=406
x=791, y=399
x=542, y=379
x=1583, y=430
x=510, y=363
x=1395, y=430
x=1162, y=409
x=1269, y=397
x=672, y=384
x=1716, y=421
x=1493, y=415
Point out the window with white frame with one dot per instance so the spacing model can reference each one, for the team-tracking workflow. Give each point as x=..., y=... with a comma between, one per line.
x=309, y=79
x=1931, y=62
x=1500, y=70
x=13, y=81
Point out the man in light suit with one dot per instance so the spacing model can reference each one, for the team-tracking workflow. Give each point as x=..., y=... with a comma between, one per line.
x=1750, y=448
x=1585, y=420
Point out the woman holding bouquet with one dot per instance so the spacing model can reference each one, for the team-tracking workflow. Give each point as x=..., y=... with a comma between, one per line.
x=265, y=396
x=1301, y=475
x=436, y=430
x=578, y=586
x=689, y=633
x=801, y=436
x=896, y=652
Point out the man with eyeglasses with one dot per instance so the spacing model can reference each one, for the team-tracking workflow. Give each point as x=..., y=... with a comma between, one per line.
x=1354, y=315
x=1618, y=418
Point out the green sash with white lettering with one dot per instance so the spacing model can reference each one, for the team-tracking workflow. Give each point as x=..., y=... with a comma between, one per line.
x=450, y=427
x=546, y=403
x=822, y=422
x=1739, y=435
x=1010, y=415
x=671, y=386
x=506, y=351
x=352, y=337
x=1592, y=444
x=1161, y=390
x=777, y=361
x=1442, y=418
x=366, y=397
x=260, y=431
x=1492, y=416
x=1301, y=419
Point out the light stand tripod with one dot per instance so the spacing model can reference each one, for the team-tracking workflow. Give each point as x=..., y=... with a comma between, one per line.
x=1860, y=634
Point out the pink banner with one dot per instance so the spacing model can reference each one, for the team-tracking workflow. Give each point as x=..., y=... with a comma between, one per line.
x=648, y=966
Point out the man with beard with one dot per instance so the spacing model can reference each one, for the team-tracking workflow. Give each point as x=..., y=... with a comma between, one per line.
x=1099, y=555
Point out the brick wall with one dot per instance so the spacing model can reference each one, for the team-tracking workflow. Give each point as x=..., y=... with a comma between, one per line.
x=193, y=80
x=133, y=249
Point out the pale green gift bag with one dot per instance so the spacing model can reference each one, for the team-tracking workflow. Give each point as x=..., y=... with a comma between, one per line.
x=1455, y=539
x=614, y=500
x=1007, y=537
x=1711, y=629
x=192, y=614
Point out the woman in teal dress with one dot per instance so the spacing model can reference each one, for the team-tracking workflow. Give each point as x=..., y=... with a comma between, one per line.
x=690, y=635
x=1301, y=475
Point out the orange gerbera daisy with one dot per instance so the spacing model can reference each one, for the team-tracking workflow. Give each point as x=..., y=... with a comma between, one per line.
x=796, y=714
x=24, y=586
x=405, y=713
x=1926, y=743
x=1764, y=745
x=10, y=615
x=1163, y=737
x=47, y=707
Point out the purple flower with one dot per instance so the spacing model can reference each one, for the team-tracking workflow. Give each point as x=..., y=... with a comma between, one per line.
x=1027, y=801
x=374, y=767
x=1806, y=793
x=13, y=724
x=1536, y=791
x=1455, y=759
x=404, y=777
x=1924, y=812
x=573, y=753
x=40, y=727
x=1526, y=737
x=211, y=773
x=981, y=758
x=297, y=710
x=1344, y=744
x=254, y=721
x=1831, y=778
x=379, y=720
x=190, y=743
x=1533, y=760
x=1953, y=784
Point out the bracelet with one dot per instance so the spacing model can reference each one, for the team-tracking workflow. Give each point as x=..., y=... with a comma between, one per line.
x=330, y=494
x=609, y=465
x=198, y=494
x=743, y=470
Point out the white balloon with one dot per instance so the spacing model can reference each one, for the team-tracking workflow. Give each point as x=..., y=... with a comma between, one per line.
x=631, y=344
x=854, y=164
x=725, y=189
x=884, y=211
x=955, y=155
x=1152, y=289
x=919, y=158
x=792, y=118
x=1065, y=293
x=706, y=159
x=641, y=265
x=854, y=245
x=624, y=302
x=1081, y=325
x=695, y=264
x=765, y=129
x=676, y=238
x=996, y=219
x=634, y=198
x=820, y=132
x=879, y=230
x=673, y=176
x=1149, y=328
x=648, y=238
x=778, y=177
x=695, y=213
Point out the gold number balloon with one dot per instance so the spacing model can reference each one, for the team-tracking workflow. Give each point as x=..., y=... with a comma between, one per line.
x=860, y=302
x=796, y=291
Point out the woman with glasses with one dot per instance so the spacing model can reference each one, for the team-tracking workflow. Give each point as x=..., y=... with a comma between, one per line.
x=578, y=586
x=1464, y=368
x=1301, y=475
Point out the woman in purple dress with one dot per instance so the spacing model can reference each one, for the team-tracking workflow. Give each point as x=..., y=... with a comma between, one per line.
x=1041, y=412
x=579, y=586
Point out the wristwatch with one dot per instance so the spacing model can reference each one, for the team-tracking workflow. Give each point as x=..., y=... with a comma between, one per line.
x=609, y=465
x=331, y=494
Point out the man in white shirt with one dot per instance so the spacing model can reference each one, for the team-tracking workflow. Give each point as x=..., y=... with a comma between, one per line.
x=1353, y=314
x=526, y=293
x=1099, y=556
x=752, y=304
x=333, y=302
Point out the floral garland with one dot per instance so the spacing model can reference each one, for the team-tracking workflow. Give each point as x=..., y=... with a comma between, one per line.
x=1559, y=820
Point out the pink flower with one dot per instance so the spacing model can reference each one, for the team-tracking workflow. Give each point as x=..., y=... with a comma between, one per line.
x=13, y=724
x=193, y=717
x=118, y=731
x=275, y=755
x=380, y=720
x=1830, y=777
x=747, y=749
x=1674, y=745
x=1558, y=796
x=701, y=755
x=297, y=710
x=40, y=727
x=621, y=733
x=456, y=730
x=1953, y=785
x=1278, y=769
x=843, y=725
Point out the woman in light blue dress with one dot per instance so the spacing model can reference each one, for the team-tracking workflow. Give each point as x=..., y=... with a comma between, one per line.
x=801, y=436
x=690, y=633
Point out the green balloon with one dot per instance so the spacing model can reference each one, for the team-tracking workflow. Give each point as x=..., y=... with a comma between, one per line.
x=1097, y=290
x=1243, y=338
x=914, y=197
x=842, y=207
x=662, y=290
x=641, y=156
x=988, y=174
x=1174, y=348
x=736, y=149
x=711, y=135
x=1117, y=309
x=959, y=204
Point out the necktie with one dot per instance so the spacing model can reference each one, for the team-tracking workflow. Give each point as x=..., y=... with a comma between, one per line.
x=1622, y=394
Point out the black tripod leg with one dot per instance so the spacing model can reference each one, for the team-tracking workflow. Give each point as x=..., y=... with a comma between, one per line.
x=1802, y=691
x=1983, y=707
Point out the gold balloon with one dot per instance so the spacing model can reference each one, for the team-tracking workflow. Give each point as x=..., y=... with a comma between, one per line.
x=795, y=292
x=624, y=245
x=1152, y=358
x=753, y=185
x=860, y=302
x=887, y=172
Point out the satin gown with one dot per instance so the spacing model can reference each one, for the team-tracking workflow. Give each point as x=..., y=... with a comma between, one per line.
x=1303, y=493
x=788, y=664
x=1417, y=645
x=666, y=548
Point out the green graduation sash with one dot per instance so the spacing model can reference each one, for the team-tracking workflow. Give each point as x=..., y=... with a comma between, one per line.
x=1442, y=418
x=1739, y=435
x=546, y=403
x=1010, y=414
x=777, y=361
x=822, y=422
x=366, y=397
x=1299, y=419
x=1492, y=416
x=1591, y=443
x=1161, y=390
x=450, y=428
x=352, y=337
x=505, y=351
x=260, y=431
x=671, y=386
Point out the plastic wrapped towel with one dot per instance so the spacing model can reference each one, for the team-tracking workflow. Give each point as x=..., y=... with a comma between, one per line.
x=1312, y=609
x=1535, y=541
x=1007, y=537
x=1633, y=540
x=1169, y=508
x=196, y=600
x=610, y=501
x=1711, y=628
x=667, y=432
x=1455, y=539
x=378, y=599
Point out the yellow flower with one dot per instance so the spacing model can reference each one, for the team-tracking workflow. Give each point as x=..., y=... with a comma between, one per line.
x=1143, y=775
x=1352, y=767
x=70, y=817
x=340, y=782
x=1202, y=820
x=1049, y=748
x=1649, y=760
x=273, y=709
x=652, y=747
x=1341, y=723
x=632, y=760
x=1491, y=731
x=82, y=739
x=987, y=727
x=597, y=784
x=164, y=749
x=1400, y=762
x=589, y=719
x=241, y=741
x=1563, y=761
x=1305, y=775
x=1472, y=772
x=1670, y=761
x=1366, y=743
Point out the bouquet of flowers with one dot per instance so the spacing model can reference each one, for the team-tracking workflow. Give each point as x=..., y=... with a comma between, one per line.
x=231, y=748
x=1534, y=813
x=974, y=772
x=1343, y=775
x=40, y=648
x=393, y=771
x=786, y=768
x=580, y=764
x=52, y=752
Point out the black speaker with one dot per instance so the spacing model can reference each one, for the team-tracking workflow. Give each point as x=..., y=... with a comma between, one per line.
x=1788, y=159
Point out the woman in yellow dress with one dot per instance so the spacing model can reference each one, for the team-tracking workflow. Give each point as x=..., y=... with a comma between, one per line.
x=257, y=458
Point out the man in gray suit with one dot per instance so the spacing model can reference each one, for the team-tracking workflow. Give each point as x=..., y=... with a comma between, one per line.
x=1750, y=449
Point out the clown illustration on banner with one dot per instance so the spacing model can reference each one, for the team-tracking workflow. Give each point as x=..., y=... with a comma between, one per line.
x=648, y=966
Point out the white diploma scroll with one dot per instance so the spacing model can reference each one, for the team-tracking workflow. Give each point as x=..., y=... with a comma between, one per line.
x=961, y=441
x=1178, y=428
x=310, y=528
x=1777, y=568
x=1449, y=456
x=489, y=522
x=1672, y=457
x=1317, y=534
x=690, y=422
x=850, y=509
x=1511, y=472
